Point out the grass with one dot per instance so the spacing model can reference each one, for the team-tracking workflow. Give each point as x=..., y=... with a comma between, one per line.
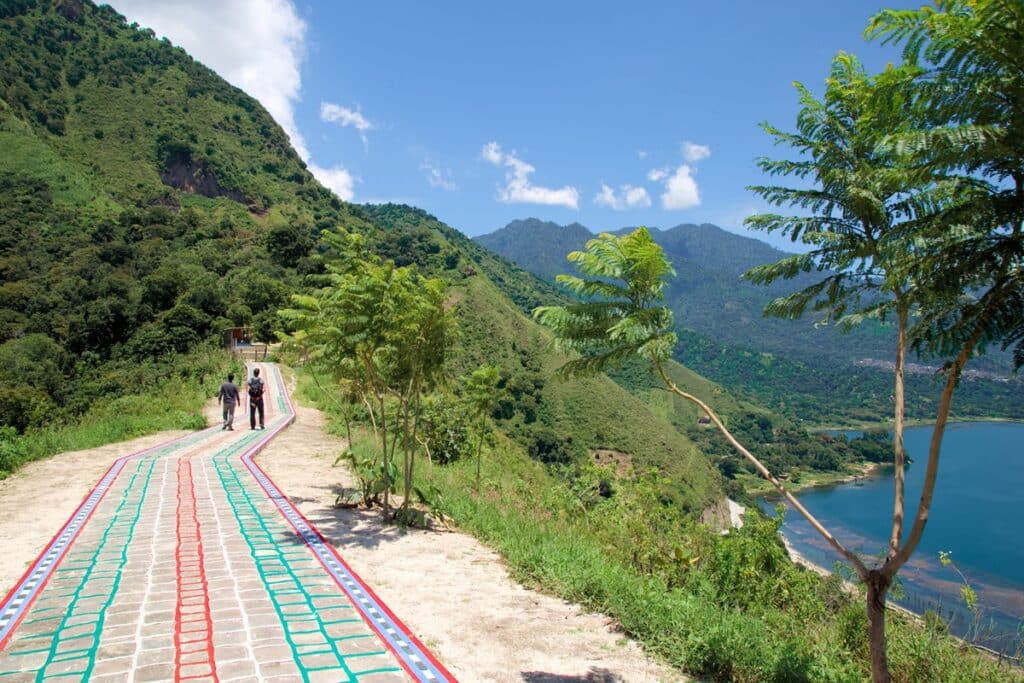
x=739, y=611
x=173, y=403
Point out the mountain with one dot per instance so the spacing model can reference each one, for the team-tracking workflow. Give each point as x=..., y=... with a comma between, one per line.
x=149, y=205
x=707, y=295
x=802, y=369
x=537, y=246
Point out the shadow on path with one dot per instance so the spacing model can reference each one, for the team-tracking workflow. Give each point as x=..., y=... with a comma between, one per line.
x=594, y=675
x=346, y=527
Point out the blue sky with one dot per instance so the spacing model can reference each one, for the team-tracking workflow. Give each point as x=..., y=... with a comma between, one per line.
x=609, y=114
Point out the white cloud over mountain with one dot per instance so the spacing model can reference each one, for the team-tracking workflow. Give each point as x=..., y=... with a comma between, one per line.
x=256, y=45
x=656, y=175
x=343, y=116
x=629, y=197
x=681, y=190
x=518, y=189
x=692, y=152
x=438, y=177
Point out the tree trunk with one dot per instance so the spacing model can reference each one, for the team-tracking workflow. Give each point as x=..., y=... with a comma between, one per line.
x=479, y=446
x=894, y=562
x=899, y=454
x=855, y=561
x=878, y=585
x=418, y=409
x=384, y=456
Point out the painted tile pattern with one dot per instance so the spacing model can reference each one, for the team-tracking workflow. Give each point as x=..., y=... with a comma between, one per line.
x=187, y=563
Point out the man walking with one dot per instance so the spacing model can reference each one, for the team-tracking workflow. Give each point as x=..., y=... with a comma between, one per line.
x=255, y=399
x=228, y=398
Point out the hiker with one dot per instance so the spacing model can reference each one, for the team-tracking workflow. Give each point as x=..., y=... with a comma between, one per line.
x=228, y=397
x=255, y=399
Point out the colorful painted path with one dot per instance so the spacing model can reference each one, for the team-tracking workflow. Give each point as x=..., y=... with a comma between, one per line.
x=186, y=563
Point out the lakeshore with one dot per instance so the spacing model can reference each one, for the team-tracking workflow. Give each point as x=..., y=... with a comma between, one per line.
x=757, y=486
x=977, y=492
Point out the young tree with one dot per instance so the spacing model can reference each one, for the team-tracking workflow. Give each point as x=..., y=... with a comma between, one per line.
x=864, y=206
x=619, y=317
x=384, y=331
x=919, y=196
x=479, y=387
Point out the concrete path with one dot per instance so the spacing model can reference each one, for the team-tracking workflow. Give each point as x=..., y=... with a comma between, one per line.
x=186, y=562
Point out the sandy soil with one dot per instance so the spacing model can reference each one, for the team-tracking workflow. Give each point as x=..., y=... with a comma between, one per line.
x=37, y=500
x=454, y=593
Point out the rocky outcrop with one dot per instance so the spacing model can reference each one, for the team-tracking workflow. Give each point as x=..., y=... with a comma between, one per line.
x=184, y=173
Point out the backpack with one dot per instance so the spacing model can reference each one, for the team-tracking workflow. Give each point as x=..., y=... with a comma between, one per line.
x=255, y=387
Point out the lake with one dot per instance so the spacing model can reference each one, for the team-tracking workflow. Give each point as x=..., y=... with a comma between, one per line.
x=976, y=515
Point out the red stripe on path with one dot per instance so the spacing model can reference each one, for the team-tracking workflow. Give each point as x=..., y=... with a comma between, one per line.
x=193, y=625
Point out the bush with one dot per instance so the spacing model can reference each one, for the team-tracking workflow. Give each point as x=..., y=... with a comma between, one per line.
x=446, y=429
x=12, y=450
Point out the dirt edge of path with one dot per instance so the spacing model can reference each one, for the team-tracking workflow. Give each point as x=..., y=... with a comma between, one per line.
x=451, y=591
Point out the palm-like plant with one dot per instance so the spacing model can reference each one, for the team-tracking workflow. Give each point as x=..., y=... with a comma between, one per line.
x=916, y=200
x=619, y=317
x=864, y=215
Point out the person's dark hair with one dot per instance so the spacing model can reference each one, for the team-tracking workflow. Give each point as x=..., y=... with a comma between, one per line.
x=231, y=377
x=256, y=372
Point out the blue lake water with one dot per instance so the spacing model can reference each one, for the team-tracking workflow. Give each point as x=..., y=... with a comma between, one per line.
x=976, y=515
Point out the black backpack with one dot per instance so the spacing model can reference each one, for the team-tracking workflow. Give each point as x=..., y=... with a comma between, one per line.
x=255, y=387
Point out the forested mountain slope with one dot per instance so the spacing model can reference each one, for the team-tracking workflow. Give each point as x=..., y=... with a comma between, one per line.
x=804, y=370
x=148, y=206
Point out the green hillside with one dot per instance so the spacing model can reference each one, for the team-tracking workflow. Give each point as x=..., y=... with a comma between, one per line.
x=150, y=206
x=557, y=421
x=807, y=372
x=147, y=206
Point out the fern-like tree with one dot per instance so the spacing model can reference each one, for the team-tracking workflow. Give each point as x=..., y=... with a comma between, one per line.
x=970, y=52
x=864, y=208
x=620, y=316
x=912, y=193
x=382, y=332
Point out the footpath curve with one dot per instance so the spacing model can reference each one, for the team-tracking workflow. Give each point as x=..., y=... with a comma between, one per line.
x=186, y=562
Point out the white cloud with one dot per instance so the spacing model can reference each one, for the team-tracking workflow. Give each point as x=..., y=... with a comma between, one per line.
x=343, y=116
x=438, y=177
x=606, y=197
x=641, y=153
x=631, y=197
x=336, y=179
x=636, y=196
x=681, y=190
x=256, y=45
x=517, y=189
x=656, y=175
x=492, y=153
x=693, y=152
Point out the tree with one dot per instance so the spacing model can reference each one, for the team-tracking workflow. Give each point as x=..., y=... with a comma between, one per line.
x=864, y=206
x=973, y=89
x=383, y=331
x=916, y=197
x=624, y=278
x=479, y=387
